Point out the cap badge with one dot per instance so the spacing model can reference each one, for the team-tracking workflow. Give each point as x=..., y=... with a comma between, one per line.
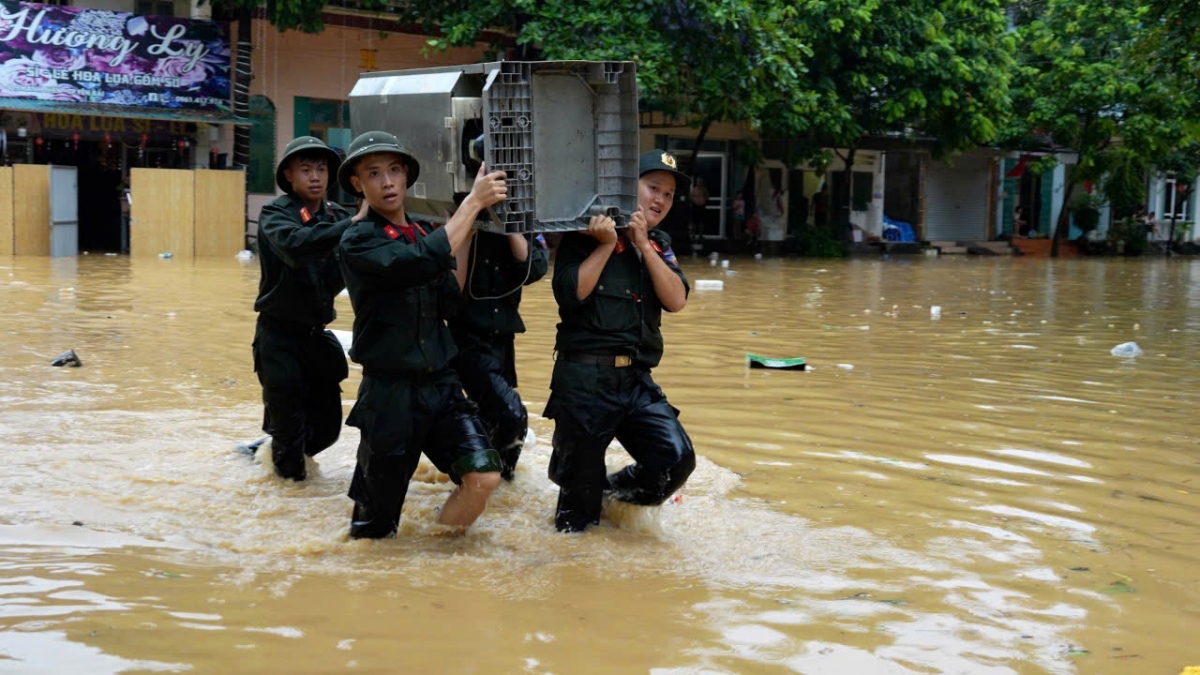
x=668, y=160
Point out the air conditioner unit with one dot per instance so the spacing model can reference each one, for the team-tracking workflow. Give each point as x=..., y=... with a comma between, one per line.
x=564, y=132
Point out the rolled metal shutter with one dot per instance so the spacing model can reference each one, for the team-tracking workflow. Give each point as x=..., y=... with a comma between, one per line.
x=956, y=200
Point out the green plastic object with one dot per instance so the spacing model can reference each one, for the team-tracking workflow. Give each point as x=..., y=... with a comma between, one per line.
x=778, y=364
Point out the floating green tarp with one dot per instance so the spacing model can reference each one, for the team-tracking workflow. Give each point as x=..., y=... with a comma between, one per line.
x=756, y=361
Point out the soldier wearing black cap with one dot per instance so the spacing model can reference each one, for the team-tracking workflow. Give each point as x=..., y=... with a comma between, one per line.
x=611, y=290
x=404, y=282
x=299, y=363
x=484, y=327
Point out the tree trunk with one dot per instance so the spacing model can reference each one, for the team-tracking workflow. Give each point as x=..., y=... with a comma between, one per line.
x=691, y=170
x=847, y=200
x=241, y=91
x=1064, y=218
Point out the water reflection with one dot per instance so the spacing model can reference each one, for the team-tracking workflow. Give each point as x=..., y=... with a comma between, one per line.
x=961, y=495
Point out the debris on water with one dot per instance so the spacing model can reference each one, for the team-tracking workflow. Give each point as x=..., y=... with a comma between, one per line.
x=165, y=255
x=245, y=254
x=1127, y=350
x=67, y=358
x=1078, y=569
x=252, y=447
x=935, y=312
x=756, y=361
x=758, y=256
x=67, y=292
x=1119, y=587
x=846, y=366
x=710, y=285
x=78, y=523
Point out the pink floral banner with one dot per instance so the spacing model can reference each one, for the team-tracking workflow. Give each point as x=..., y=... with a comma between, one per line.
x=76, y=55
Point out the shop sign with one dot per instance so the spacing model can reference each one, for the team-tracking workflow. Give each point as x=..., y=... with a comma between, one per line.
x=91, y=56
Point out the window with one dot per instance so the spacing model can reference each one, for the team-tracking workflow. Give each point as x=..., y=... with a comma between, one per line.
x=329, y=121
x=154, y=7
x=1176, y=202
x=260, y=178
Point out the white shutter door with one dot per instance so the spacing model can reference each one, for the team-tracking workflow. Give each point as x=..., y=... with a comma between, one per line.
x=956, y=200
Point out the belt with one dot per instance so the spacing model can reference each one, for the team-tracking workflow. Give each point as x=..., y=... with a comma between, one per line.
x=611, y=360
x=290, y=327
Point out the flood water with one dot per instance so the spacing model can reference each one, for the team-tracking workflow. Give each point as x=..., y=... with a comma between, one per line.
x=988, y=492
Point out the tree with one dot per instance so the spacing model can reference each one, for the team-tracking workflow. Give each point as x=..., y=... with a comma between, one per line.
x=937, y=69
x=700, y=60
x=1082, y=85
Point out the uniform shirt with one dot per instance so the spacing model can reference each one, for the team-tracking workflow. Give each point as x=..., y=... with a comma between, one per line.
x=492, y=271
x=623, y=313
x=402, y=288
x=297, y=254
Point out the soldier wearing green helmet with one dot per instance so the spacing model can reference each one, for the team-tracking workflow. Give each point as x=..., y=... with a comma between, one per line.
x=300, y=364
x=404, y=281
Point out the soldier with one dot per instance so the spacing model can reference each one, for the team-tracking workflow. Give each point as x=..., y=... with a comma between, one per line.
x=611, y=289
x=404, y=282
x=299, y=363
x=484, y=329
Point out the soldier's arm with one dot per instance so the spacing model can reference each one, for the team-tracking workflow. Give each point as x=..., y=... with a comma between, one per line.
x=299, y=242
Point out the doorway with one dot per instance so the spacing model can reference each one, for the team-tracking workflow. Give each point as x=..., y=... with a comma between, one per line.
x=100, y=190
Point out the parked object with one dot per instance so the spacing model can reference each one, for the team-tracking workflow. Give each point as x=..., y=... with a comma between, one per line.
x=1127, y=350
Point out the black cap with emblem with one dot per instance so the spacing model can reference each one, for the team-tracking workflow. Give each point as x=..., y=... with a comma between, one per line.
x=661, y=160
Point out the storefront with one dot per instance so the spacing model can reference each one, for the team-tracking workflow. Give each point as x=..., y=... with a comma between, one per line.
x=106, y=92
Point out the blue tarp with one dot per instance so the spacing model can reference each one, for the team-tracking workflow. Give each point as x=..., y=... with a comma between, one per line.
x=897, y=230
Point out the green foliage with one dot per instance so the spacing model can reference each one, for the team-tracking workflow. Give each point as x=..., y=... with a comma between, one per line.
x=1087, y=212
x=1130, y=235
x=818, y=242
x=929, y=68
x=703, y=60
x=1083, y=85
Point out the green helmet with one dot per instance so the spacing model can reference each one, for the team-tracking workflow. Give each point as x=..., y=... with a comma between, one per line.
x=299, y=145
x=368, y=144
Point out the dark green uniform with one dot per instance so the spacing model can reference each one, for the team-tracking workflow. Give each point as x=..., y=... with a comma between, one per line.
x=299, y=363
x=601, y=388
x=410, y=401
x=484, y=329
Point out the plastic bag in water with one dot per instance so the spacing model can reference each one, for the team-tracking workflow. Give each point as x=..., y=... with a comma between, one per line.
x=1127, y=350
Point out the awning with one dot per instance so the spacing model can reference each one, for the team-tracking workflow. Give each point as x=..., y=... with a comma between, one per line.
x=169, y=114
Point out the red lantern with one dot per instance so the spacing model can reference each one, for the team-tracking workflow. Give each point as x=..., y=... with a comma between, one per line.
x=145, y=137
x=75, y=139
x=108, y=140
x=38, y=141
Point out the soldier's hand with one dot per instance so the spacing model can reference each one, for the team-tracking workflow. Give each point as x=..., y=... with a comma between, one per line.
x=603, y=229
x=638, y=227
x=489, y=188
x=363, y=207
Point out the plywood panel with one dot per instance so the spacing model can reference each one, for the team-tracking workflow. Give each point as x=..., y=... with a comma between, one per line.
x=163, y=213
x=6, y=211
x=31, y=209
x=220, y=213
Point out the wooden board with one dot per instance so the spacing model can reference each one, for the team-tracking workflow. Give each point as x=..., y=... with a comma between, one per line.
x=31, y=209
x=220, y=213
x=163, y=213
x=7, y=235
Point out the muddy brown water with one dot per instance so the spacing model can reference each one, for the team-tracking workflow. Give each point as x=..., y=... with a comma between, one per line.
x=988, y=492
